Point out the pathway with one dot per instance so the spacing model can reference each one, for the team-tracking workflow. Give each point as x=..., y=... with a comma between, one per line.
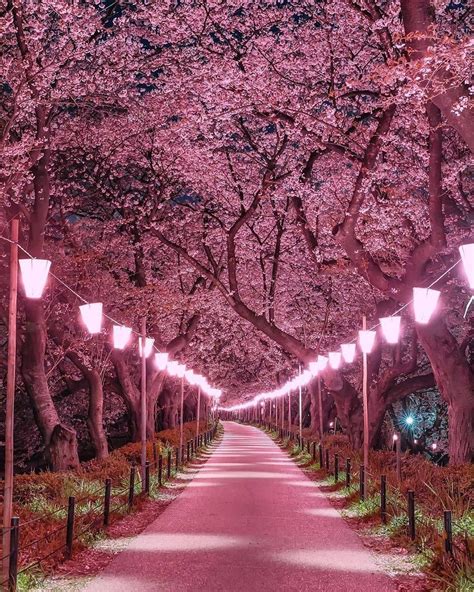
x=249, y=520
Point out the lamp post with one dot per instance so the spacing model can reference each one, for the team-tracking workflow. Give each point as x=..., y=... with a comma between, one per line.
x=366, y=339
x=300, y=402
x=10, y=402
x=198, y=413
x=143, y=401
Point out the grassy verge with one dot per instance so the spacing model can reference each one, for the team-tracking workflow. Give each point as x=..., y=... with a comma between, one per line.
x=436, y=489
x=41, y=502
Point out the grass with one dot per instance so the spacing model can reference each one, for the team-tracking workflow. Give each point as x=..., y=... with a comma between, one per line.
x=436, y=489
x=40, y=501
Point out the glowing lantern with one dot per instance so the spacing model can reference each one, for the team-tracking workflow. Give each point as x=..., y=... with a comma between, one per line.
x=190, y=377
x=313, y=368
x=34, y=273
x=180, y=370
x=424, y=303
x=348, y=352
x=92, y=316
x=322, y=363
x=149, y=341
x=366, y=340
x=121, y=336
x=467, y=256
x=334, y=359
x=391, y=328
x=172, y=368
x=161, y=360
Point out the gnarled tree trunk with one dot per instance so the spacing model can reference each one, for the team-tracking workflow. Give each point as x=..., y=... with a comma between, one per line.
x=455, y=381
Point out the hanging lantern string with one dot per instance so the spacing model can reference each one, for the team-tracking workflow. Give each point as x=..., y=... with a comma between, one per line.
x=65, y=285
x=77, y=295
x=399, y=310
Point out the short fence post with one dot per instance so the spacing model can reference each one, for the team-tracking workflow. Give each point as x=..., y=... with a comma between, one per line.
x=168, y=467
x=131, y=488
x=448, y=532
x=160, y=470
x=348, y=472
x=187, y=450
x=383, y=499
x=320, y=456
x=13, y=562
x=70, y=526
x=108, y=489
x=327, y=459
x=314, y=452
x=182, y=457
x=336, y=468
x=411, y=514
x=362, y=483
x=177, y=458
x=147, y=478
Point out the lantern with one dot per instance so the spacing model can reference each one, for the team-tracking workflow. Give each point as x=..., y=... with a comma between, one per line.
x=172, y=367
x=467, y=256
x=391, y=328
x=424, y=303
x=366, y=340
x=34, y=273
x=313, y=368
x=334, y=360
x=121, y=336
x=322, y=363
x=348, y=352
x=161, y=360
x=149, y=341
x=92, y=316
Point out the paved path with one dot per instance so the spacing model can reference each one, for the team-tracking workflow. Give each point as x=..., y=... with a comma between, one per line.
x=249, y=520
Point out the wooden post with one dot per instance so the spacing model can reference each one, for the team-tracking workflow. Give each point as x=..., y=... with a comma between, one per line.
x=143, y=402
x=10, y=398
x=181, y=426
x=320, y=407
x=160, y=470
x=198, y=412
x=411, y=514
x=13, y=559
x=448, y=532
x=300, y=402
x=348, y=472
x=398, y=448
x=108, y=489
x=366, y=409
x=131, y=488
x=70, y=526
x=289, y=412
x=336, y=468
x=362, y=483
x=383, y=499
x=168, y=466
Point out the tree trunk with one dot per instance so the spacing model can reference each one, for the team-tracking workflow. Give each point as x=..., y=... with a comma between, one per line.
x=36, y=383
x=96, y=413
x=169, y=406
x=455, y=381
x=348, y=406
x=63, y=448
x=130, y=394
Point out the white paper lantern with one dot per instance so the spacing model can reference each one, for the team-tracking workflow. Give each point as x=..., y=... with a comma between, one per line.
x=391, y=328
x=34, y=274
x=121, y=336
x=92, y=316
x=424, y=303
